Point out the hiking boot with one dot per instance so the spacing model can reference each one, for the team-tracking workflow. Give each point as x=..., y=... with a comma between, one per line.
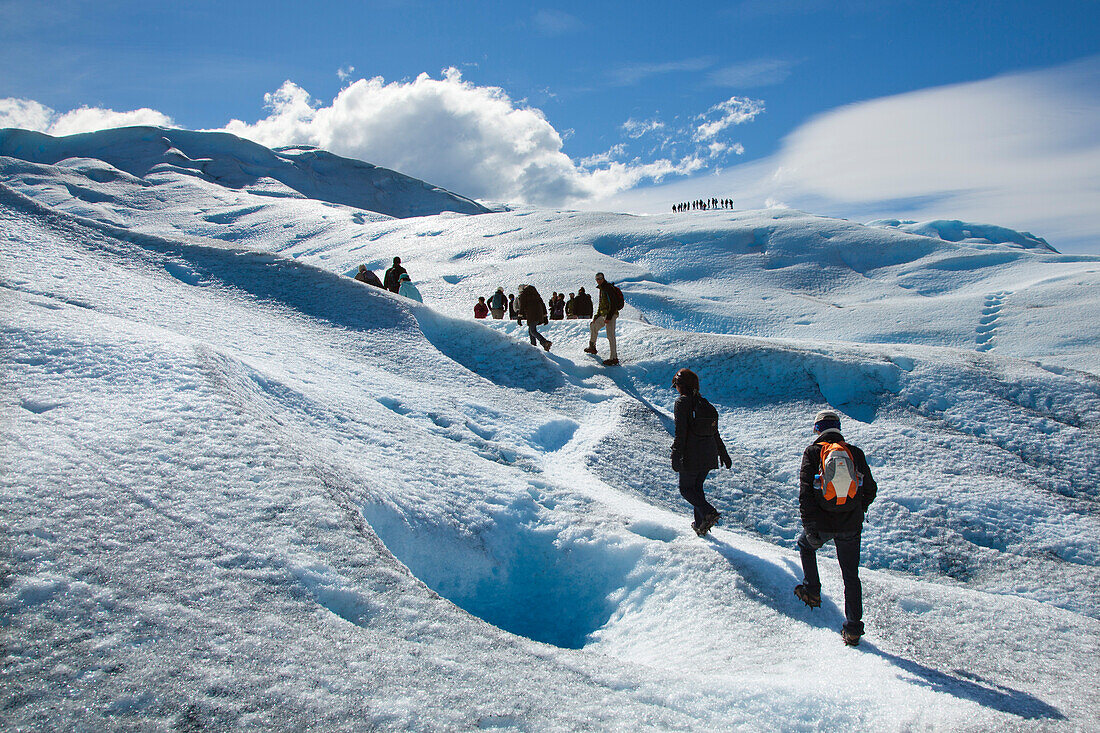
x=708, y=522
x=611, y=362
x=591, y=350
x=850, y=638
x=809, y=597
x=546, y=345
x=697, y=529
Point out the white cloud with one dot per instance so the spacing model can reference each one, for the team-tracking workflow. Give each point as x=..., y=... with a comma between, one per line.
x=31, y=115
x=344, y=73
x=637, y=128
x=734, y=111
x=470, y=139
x=758, y=73
x=1020, y=150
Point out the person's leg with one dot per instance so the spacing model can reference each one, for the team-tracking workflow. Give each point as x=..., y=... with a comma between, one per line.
x=808, y=545
x=847, y=554
x=597, y=324
x=532, y=332
x=691, y=488
x=611, y=337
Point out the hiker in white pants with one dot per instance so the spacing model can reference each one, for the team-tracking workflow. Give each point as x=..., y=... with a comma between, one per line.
x=605, y=318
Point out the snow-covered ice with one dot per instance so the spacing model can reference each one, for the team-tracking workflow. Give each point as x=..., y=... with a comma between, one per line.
x=242, y=490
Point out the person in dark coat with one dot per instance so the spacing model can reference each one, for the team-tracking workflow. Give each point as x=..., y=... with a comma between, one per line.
x=844, y=528
x=392, y=279
x=367, y=276
x=694, y=455
x=513, y=314
x=582, y=306
x=532, y=309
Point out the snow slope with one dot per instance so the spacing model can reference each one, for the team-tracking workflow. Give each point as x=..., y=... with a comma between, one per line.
x=152, y=160
x=244, y=490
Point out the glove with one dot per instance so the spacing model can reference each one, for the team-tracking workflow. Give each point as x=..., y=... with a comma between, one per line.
x=727, y=463
x=677, y=462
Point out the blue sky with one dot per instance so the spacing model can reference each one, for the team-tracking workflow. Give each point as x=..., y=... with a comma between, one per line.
x=627, y=88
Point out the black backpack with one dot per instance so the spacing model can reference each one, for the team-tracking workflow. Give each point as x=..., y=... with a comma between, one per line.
x=704, y=418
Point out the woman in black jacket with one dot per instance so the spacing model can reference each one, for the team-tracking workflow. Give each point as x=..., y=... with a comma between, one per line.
x=697, y=448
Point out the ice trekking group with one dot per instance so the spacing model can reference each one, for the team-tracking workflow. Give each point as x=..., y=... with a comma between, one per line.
x=835, y=482
x=528, y=306
x=835, y=488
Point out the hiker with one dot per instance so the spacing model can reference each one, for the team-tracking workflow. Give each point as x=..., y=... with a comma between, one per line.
x=582, y=307
x=497, y=303
x=367, y=276
x=531, y=308
x=406, y=288
x=393, y=275
x=557, y=306
x=610, y=303
x=697, y=448
x=481, y=310
x=835, y=487
x=570, y=313
x=512, y=313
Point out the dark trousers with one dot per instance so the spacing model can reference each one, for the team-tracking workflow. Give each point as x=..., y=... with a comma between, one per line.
x=847, y=554
x=535, y=334
x=691, y=488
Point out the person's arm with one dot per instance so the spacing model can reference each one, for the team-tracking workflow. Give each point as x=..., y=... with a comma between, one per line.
x=869, y=489
x=681, y=414
x=722, y=453
x=811, y=458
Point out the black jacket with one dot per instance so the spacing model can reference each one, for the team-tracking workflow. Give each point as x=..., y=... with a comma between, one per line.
x=814, y=517
x=368, y=277
x=694, y=452
x=530, y=306
x=582, y=305
x=393, y=278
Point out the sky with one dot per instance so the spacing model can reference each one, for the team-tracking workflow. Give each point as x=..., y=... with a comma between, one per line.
x=979, y=111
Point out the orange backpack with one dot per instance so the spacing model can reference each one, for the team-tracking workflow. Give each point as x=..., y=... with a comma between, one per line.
x=838, y=482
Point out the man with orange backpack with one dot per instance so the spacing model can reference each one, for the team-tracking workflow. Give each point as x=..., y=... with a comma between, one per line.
x=835, y=487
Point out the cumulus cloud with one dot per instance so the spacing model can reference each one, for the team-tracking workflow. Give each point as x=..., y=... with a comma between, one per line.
x=31, y=115
x=471, y=139
x=344, y=73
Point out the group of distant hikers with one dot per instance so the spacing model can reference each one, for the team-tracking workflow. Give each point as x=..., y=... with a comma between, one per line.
x=835, y=483
x=529, y=306
x=703, y=205
x=396, y=280
x=835, y=487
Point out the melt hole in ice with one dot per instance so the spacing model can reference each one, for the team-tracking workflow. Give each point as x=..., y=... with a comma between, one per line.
x=528, y=577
